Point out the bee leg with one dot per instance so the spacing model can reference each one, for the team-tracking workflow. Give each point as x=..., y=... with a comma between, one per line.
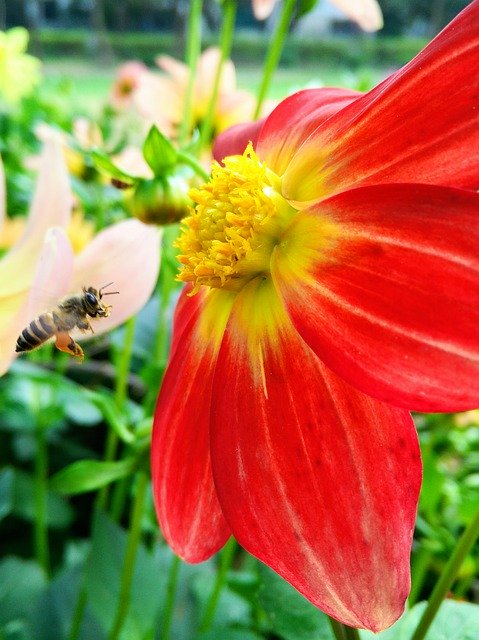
x=84, y=326
x=66, y=343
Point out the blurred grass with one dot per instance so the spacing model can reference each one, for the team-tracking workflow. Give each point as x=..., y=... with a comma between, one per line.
x=90, y=85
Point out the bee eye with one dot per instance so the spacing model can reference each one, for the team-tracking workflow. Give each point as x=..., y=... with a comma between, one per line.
x=90, y=298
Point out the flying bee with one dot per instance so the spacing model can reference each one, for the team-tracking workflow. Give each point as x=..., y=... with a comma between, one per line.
x=72, y=312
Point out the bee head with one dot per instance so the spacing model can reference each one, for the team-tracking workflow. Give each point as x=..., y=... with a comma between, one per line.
x=94, y=307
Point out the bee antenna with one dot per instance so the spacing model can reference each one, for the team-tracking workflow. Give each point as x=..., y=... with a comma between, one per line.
x=108, y=293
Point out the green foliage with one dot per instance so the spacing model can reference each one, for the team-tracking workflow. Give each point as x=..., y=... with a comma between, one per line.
x=94, y=423
x=455, y=621
x=248, y=48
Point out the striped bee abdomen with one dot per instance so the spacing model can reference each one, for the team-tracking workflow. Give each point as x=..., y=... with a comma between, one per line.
x=36, y=333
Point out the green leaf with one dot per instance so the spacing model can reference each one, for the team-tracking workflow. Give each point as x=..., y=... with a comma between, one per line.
x=103, y=572
x=89, y=475
x=228, y=632
x=103, y=163
x=111, y=414
x=231, y=610
x=454, y=621
x=59, y=512
x=52, y=617
x=6, y=492
x=159, y=152
x=21, y=582
x=290, y=615
x=305, y=6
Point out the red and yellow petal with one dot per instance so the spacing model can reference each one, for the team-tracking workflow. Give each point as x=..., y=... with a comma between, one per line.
x=279, y=136
x=294, y=119
x=234, y=140
x=185, y=497
x=315, y=479
x=419, y=125
x=383, y=284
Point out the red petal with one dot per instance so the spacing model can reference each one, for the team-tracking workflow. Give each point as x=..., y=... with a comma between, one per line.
x=317, y=480
x=234, y=140
x=388, y=294
x=295, y=119
x=419, y=125
x=185, y=498
x=277, y=137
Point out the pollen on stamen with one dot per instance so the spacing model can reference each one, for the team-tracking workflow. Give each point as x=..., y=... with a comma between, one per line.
x=227, y=223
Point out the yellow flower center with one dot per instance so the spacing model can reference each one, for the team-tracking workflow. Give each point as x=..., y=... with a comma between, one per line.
x=239, y=217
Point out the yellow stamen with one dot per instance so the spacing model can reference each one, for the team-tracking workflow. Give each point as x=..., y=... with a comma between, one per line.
x=238, y=219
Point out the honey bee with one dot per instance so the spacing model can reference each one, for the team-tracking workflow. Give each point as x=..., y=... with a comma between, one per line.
x=71, y=312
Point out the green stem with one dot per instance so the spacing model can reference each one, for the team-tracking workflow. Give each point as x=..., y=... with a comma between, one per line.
x=350, y=633
x=193, y=48
x=40, y=534
x=226, y=42
x=134, y=537
x=121, y=392
x=447, y=577
x=123, y=365
x=420, y=565
x=337, y=629
x=78, y=614
x=170, y=597
x=226, y=559
x=342, y=631
x=274, y=52
x=197, y=167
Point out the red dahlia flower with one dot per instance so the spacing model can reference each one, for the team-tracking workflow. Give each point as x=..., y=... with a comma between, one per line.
x=333, y=284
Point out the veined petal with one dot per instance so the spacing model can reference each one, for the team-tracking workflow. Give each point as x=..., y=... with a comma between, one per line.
x=294, y=119
x=206, y=73
x=277, y=138
x=127, y=254
x=234, y=140
x=50, y=282
x=51, y=207
x=383, y=284
x=53, y=200
x=419, y=125
x=317, y=480
x=185, y=497
x=3, y=196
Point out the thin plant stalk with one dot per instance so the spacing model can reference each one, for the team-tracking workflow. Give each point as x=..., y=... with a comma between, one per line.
x=342, y=631
x=193, y=49
x=337, y=629
x=447, y=577
x=40, y=533
x=350, y=633
x=225, y=43
x=226, y=558
x=274, y=53
x=77, y=617
x=121, y=392
x=132, y=545
x=170, y=597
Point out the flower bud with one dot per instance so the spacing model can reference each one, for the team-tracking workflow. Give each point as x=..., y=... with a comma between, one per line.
x=162, y=200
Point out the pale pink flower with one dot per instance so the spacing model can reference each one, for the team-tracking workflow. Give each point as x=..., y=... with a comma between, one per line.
x=161, y=98
x=41, y=268
x=366, y=13
x=126, y=82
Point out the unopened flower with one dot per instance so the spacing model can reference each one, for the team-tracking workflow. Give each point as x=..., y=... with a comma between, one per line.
x=42, y=267
x=19, y=72
x=332, y=278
